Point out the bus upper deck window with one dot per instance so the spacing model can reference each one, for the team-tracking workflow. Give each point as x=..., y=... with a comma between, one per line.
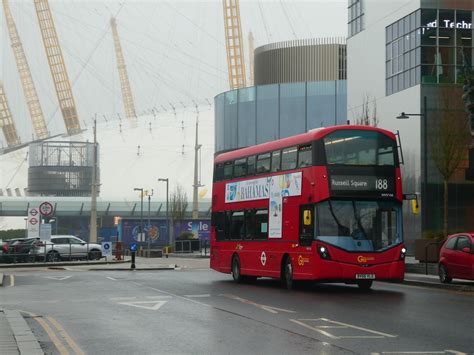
x=276, y=161
x=251, y=165
x=263, y=163
x=228, y=170
x=240, y=167
x=219, y=172
x=289, y=158
x=305, y=157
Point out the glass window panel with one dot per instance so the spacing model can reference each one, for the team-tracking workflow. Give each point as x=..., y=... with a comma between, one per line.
x=418, y=37
x=251, y=165
x=395, y=30
x=406, y=24
x=321, y=104
x=400, y=82
x=418, y=55
x=406, y=79
x=464, y=28
x=446, y=56
x=400, y=63
x=246, y=122
x=388, y=51
x=289, y=158
x=428, y=36
x=413, y=59
x=267, y=113
x=388, y=87
x=418, y=18
x=446, y=19
x=446, y=37
x=263, y=163
x=240, y=167
x=395, y=65
x=446, y=74
x=228, y=170
x=276, y=161
x=231, y=119
x=388, y=34
x=394, y=84
x=219, y=122
x=428, y=18
x=388, y=66
x=406, y=61
x=412, y=77
x=428, y=74
x=400, y=28
x=292, y=109
x=412, y=21
x=305, y=157
x=428, y=55
x=412, y=40
x=237, y=229
x=418, y=75
x=406, y=44
x=401, y=43
x=341, y=102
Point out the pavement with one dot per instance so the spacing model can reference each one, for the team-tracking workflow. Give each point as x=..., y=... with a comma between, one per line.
x=16, y=336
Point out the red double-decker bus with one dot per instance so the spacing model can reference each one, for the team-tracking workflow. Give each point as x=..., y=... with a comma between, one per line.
x=324, y=205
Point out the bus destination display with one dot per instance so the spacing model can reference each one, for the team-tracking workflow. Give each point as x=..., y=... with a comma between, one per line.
x=381, y=186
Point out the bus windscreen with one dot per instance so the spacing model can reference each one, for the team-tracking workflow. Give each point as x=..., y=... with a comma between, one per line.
x=359, y=225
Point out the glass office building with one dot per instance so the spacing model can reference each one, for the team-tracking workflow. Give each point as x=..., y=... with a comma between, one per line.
x=259, y=114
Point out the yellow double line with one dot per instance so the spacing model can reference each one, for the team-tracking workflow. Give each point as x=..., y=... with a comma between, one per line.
x=58, y=335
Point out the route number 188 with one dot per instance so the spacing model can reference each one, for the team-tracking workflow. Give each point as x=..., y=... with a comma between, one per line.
x=381, y=184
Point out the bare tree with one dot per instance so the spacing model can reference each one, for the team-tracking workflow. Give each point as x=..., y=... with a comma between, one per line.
x=368, y=117
x=450, y=138
x=178, y=204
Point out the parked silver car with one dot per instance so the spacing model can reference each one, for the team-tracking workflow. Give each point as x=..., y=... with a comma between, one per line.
x=66, y=247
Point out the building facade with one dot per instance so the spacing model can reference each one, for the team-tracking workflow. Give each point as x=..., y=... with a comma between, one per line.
x=300, y=85
x=411, y=58
x=315, y=59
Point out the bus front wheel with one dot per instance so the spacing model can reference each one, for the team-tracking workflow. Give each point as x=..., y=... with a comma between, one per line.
x=287, y=274
x=236, y=269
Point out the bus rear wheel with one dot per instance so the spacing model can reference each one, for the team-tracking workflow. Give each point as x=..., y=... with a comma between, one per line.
x=365, y=284
x=287, y=274
x=236, y=275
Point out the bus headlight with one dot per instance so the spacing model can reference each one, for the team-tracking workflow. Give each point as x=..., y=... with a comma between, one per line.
x=403, y=253
x=323, y=252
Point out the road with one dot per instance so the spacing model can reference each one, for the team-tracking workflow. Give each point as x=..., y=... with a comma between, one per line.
x=199, y=311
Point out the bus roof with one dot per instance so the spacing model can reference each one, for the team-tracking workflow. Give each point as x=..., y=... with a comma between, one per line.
x=310, y=136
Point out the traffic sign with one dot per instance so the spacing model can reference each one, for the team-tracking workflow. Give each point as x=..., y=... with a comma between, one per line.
x=46, y=209
x=133, y=247
x=107, y=248
x=33, y=212
x=33, y=221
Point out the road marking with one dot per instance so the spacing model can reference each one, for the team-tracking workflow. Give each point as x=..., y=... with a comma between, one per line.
x=373, y=333
x=270, y=309
x=59, y=345
x=315, y=329
x=122, y=298
x=12, y=280
x=151, y=305
x=66, y=336
x=58, y=278
x=159, y=297
x=198, y=296
x=111, y=278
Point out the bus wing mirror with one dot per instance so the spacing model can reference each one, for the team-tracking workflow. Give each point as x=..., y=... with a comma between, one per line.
x=307, y=219
x=415, y=206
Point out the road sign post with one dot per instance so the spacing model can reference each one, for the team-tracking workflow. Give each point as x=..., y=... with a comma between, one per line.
x=133, y=249
x=106, y=249
x=33, y=222
x=46, y=209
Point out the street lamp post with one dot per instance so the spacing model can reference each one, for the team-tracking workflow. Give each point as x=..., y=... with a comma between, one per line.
x=149, y=223
x=424, y=184
x=141, y=211
x=167, y=209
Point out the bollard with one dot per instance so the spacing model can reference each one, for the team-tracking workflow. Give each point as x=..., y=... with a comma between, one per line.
x=133, y=261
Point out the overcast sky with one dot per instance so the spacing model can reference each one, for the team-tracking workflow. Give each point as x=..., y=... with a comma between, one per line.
x=174, y=50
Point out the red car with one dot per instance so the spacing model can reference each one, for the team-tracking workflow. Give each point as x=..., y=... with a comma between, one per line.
x=456, y=258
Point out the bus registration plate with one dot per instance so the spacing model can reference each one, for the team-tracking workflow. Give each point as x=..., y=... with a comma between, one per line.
x=365, y=276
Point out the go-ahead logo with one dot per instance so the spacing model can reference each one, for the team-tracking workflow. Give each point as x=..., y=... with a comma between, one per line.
x=364, y=259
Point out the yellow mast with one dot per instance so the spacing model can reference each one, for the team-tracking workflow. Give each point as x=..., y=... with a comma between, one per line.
x=6, y=121
x=234, y=44
x=29, y=90
x=57, y=67
x=122, y=69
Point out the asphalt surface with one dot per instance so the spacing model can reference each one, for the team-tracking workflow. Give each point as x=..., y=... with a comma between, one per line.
x=198, y=311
